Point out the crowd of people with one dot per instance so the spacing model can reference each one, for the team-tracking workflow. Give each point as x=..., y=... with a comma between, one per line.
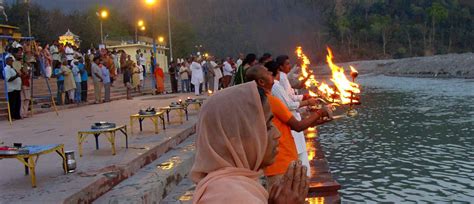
x=262, y=132
x=209, y=73
x=71, y=69
x=263, y=111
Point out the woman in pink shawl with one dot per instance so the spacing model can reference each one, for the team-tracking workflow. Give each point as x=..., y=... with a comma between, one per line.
x=235, y=140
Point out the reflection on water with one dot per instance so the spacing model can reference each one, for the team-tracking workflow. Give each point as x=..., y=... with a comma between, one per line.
x=407, y=143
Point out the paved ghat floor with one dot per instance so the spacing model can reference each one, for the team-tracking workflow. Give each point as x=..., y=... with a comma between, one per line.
x=47, y=128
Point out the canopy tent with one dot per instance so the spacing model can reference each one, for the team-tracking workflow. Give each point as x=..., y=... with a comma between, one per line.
x=70, y=38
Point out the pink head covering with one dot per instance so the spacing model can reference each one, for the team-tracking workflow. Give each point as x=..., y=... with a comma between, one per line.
x=230, y=146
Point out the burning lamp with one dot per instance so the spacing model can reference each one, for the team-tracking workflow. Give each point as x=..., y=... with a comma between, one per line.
x=209, y=93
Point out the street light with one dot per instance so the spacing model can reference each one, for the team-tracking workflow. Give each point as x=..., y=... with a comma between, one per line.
x=150, y=2
x=140, y=24
x=102, y=14
x=161, y=39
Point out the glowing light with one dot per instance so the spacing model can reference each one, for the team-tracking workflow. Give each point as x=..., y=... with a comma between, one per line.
x=104, y=14
x=140, y=23
x=150, y=2
x=161, y=39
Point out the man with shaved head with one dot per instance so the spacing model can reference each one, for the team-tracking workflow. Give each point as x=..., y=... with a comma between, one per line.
x=285, y=122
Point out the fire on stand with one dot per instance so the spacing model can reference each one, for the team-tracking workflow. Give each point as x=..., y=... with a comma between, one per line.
x=342, y=92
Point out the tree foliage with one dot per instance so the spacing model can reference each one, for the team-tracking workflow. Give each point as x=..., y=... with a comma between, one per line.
x=355, y=29
x=48, y=25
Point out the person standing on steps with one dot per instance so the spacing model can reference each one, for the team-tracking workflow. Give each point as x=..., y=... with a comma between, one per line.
x=97, y=79
x=14, y=88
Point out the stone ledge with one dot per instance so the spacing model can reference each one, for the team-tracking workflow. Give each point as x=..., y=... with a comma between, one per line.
x=113, y=175
x=155, y=181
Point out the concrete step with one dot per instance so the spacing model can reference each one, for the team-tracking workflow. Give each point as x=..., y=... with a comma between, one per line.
x=38, y=109
x=182, y=194
x=150, y=162
x=155, y=181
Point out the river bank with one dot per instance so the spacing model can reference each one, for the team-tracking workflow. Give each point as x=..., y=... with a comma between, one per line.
x=438, y=66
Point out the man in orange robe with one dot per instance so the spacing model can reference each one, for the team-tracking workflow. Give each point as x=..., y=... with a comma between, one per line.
x=285, y=122
x=159, y=76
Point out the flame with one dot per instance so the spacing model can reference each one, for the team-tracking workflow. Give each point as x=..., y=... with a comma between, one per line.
x=353, y=69
x=311, y=82
x=343, y=88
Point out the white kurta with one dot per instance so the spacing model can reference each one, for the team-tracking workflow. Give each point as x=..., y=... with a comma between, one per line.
x=197, y=76
x=279, y=92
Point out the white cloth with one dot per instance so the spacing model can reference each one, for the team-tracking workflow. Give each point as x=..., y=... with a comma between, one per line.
x=14, y=85
x=217, y=76
x=238, y=63
x=197, y=76
x=293, y=77
x=228, y=69
x=142, y=69
x=69, y=53
x=76, y=74
x=279, y=92
x=55, y=52
x=142, y=61
x=285, y=83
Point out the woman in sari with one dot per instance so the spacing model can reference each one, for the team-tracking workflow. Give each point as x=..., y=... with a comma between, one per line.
x=235, y=140
x=250, y=60
x=136, y=71
x=159, y=77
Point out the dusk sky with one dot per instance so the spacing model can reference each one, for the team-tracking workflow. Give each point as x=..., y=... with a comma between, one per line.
x=71, y=5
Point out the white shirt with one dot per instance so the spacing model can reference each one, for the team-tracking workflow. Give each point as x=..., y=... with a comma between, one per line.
x=285, y=83
x=69, y=53
x=279, y=91
x=197, y=76
x=239, y=62
x=293, y=76
x=14, y=85
x=228, y=69
x=142, y=61
x=217, y=71
x=55, y=52
x=142, y=69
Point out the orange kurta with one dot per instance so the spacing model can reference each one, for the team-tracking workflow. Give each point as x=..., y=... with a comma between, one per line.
x=287, y=148
x=159, y=76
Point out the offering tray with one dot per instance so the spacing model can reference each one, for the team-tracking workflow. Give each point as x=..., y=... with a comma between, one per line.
x=148, y=111
x=102, y=125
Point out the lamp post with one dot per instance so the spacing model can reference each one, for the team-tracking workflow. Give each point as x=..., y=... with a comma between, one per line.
x=103, y=14
x=141, y=25
x=169, y=31
x=151, y=4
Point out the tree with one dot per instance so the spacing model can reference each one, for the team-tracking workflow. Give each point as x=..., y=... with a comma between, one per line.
x=437, y=13
x=380, y=24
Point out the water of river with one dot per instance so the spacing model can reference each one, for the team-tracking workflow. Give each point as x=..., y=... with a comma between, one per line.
x=413, y=141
